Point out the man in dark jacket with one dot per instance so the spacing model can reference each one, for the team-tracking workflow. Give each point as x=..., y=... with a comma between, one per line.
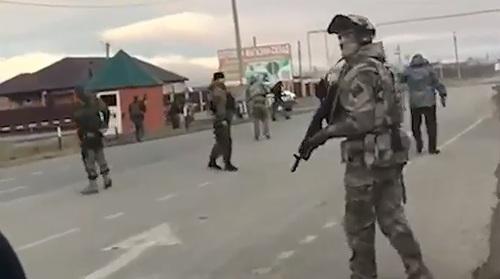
x=277, y=91
x=422, y=84
x=222, y=105
x=137, y=110
x=91, y=117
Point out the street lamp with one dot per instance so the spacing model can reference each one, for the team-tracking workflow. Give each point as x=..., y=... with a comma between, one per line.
x=238, y=40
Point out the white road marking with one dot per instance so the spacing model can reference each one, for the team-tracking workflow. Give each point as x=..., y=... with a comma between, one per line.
x=166, y=198
x=458, y=136
x=204, y=184
x=37, y=173
x=114, y=216
x=262, y=271
x=12, y=190
x=330, y=225
x=308, y=239
x=161, y=235
x=468, y=129
x=4, y=180
x=47, y=239
x=285, y=255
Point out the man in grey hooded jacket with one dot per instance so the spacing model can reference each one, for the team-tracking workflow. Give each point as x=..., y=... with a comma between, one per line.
x=422, y=84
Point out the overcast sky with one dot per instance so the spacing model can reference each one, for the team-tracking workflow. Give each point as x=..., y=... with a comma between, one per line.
x=184, y=35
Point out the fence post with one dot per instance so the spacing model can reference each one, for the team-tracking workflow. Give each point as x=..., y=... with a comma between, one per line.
x=59, y=137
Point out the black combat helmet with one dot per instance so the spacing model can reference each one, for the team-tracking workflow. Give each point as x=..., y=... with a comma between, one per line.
x=359, y=24
x=218, y=75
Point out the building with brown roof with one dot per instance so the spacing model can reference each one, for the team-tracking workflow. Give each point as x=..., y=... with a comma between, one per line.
x=41, y=100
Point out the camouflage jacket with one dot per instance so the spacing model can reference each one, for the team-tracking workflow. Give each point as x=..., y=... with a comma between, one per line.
x=90, y=118
x=256, y=94
x=359, y=82
x=219, y=101
x=422, y=83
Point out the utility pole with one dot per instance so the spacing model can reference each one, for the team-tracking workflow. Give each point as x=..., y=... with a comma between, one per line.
x=398, y=53
x=108, y=47
x=327, y=50
x=457, y=59
x=299, y=48
x=238, y=40
x=309, y=50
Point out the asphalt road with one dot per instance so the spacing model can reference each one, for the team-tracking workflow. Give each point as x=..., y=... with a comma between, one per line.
x=169, y=217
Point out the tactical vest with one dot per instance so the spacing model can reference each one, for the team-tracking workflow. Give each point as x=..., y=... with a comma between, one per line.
x=387, y=145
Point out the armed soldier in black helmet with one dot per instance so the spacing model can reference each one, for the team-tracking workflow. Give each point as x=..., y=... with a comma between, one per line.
x=364, y=109
x=91, y=117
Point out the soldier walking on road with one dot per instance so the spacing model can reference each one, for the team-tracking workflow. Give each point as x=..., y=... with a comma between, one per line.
x=92, y=117
x=222, y=105
x=423, y=83
x=364, y=109
x=278, y=101
x=137, y=110
x=256, y=95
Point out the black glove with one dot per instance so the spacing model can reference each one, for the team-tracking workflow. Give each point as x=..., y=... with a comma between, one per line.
x=443, y=101
x=305, y=150
x=310, y=144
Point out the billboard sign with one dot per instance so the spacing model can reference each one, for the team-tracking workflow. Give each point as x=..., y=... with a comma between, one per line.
x=274, y=62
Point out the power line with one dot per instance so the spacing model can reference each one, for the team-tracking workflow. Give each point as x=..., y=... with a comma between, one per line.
x=76, y=6
x=429, y=18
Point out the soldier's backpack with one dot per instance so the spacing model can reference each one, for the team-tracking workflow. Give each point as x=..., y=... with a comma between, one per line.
x=389, y=109
x=392, y=145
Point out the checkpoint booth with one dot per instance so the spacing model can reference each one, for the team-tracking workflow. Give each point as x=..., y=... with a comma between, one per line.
x=117, y=83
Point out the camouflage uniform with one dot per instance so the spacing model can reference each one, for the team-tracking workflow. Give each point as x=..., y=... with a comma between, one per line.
x=374, y=151
x=91, y=141
x=223, y=114
x=256, y=94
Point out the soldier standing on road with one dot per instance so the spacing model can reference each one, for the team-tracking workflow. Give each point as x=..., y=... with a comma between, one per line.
x=422, y=84
x=222, y=105
x=366, y=113
x=256, y=95
x=91, y=117
x=137, y=110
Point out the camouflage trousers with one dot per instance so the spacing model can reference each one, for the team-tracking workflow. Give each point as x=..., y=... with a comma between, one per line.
x=376, y=196
x=223, y=143
x=93, y=157
x=261, y=116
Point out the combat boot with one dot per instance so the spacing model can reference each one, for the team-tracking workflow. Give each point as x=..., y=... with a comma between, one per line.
x=435, y=152
x=213, y=165
x=91, y=189
x=421, y=273
x=108, y=182
x=230, y=167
